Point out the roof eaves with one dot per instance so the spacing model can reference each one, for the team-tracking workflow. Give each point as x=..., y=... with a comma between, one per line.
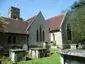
x=63, y=19
x=31, y=22
x=54, y=30
x=17, y=33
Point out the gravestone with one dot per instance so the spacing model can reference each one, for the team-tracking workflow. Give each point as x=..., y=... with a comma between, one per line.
x=73, y=46
x=25, y=46
x=44, y=45
x=17, y=54
x=37, y=52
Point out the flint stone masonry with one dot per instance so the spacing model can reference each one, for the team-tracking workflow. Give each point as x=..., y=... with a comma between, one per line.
x=17, y=54
x=37, y=52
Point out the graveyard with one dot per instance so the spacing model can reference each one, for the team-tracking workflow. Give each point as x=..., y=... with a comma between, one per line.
x=59, y=39
x=54, y=58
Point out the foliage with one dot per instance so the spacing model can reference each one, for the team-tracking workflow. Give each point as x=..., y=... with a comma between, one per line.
x=27, y=54
x=78, y=4
x=76, y=18
x=21, y=19
x=2, y=24
x=5, y=60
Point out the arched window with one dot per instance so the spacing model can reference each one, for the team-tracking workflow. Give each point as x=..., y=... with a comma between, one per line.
x=40, y=33
x=37, y=36
x=14, y=39
x=9, y=39
x=69, y=32
x=43, y=36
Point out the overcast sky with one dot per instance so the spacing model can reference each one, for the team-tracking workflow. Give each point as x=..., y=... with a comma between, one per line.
x=29, y=8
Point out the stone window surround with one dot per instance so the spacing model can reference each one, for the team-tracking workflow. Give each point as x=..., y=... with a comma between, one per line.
x=11, y=39
x=40, y=35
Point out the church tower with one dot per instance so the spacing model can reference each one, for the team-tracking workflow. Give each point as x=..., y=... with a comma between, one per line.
x=14, y=12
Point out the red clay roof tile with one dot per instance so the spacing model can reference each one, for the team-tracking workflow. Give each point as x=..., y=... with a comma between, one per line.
x=55, y=22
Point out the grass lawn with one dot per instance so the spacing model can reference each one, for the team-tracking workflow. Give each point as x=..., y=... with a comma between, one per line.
x=52, y=59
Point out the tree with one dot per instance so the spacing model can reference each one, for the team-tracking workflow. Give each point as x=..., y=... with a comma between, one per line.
x=2, y=24
x=76, y=18
x=21, y=19
x=78, y=4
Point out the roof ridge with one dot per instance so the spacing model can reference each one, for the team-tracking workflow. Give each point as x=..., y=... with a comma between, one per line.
x=15, y=26
x=32, y=16
x=32, y=20
x=12, y=19
x=55, y=16
x=63, y=18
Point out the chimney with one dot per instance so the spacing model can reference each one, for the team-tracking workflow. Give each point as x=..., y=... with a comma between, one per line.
x=14, y=12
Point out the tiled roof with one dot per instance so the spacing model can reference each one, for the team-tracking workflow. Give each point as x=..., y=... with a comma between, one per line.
x=55, y=22
x=31, y=19
x=15, y=26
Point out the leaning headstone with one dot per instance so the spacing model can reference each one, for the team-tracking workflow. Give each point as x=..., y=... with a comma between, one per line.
x=73, y=46
x=44, y=45
x=25, y=46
